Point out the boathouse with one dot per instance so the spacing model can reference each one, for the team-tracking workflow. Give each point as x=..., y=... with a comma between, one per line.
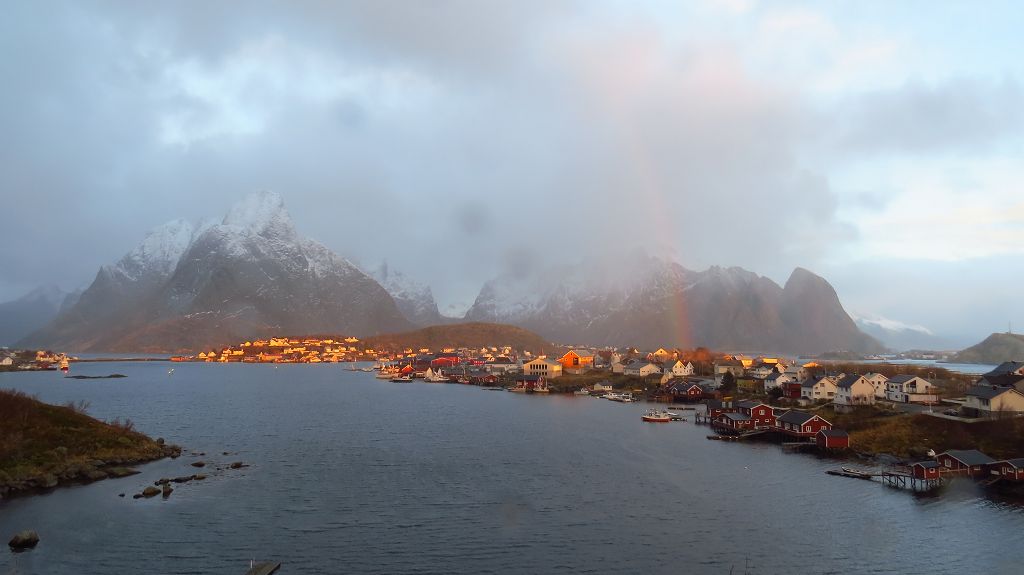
x=1012, y=469
x=832, y=439
x=927, y=470
x=802, y=424
x=970, y=462
x=732, y=422
x=761, y=415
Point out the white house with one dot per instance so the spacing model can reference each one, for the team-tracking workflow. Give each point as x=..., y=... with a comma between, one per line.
x=680, y=369
x=733, y=366
x=797, y=372
x=641, y=368
x=822, y=389
x=543, y=367
x=993, y=401
x=7, y=361
x=910, y=389
x=878, y=382
x=776, y=380
x=853, y=390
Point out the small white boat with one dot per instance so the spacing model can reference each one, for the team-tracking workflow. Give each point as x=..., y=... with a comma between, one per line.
x=583, y=391
x=402, y=378
x=675, y=416
x=655, y=416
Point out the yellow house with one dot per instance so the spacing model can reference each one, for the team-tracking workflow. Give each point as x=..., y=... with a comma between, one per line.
x=543, y=367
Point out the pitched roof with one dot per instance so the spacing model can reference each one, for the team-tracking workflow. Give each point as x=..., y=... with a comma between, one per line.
x=1006, y=367
x=1018, y=462
x=796, y=417
x=848, y=381
x=988, y=391
x=1002, y=379
x=926, y=464
x=901, y=378
x=737, y=416
x=969, y=456
x=834, y=433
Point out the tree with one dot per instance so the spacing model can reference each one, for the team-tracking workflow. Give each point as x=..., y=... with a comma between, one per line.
x=728, y=383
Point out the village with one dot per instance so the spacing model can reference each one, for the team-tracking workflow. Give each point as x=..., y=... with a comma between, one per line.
x=794, y=403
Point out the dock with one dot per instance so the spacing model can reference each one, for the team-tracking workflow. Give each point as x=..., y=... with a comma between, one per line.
x=263, y=568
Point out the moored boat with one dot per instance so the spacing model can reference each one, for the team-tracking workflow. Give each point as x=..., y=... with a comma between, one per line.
x=655, y=416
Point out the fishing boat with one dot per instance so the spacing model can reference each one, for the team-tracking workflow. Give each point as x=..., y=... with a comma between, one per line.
x=402, y=378
x=64, y=365
x=655, y=416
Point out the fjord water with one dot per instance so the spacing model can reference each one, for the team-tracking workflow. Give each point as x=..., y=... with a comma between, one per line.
x=350, y=474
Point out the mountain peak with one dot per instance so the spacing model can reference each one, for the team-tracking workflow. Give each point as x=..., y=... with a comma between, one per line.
x=159, y=252
x=262, y=213
x=803, y=276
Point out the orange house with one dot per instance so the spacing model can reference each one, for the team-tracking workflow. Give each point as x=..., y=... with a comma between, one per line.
x=573, y=360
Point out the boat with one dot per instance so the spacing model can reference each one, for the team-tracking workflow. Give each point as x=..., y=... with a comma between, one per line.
x=64, y=366
x=675, y=416
x=583, y=391
x=402, y=378
x=655, y=416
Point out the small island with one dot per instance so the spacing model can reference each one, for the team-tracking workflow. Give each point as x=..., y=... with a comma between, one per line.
x=43, y=446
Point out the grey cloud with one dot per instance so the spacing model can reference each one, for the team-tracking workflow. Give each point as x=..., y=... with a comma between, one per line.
x=963, y=115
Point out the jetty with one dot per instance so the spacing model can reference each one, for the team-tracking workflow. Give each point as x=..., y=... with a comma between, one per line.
x=263, y=568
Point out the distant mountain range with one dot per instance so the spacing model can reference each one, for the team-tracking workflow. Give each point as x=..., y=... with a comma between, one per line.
x=32, y=311
x=649, y=302
x=248, y=276
x=898, y=336
x=995, y=349
x=187, y=288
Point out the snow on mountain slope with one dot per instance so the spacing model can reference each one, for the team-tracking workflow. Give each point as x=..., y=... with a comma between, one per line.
x=414, y=299
x=251, y=275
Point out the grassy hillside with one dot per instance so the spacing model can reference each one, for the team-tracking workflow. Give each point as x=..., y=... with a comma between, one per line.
x=996, y=348
x=43, y=445
x=911, y=435
x=471, y=335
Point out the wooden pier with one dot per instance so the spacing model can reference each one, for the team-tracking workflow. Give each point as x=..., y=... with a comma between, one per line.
x=263, y=568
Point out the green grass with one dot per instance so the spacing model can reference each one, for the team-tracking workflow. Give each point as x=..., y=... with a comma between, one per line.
x=38, y=439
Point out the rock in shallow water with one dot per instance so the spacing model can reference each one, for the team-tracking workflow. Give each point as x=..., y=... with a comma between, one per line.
x=24, y=540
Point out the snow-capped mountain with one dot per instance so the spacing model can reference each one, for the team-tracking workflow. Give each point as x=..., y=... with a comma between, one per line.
x=647, y=301
x=414, y=299
x=901, y=336
x=251, y=275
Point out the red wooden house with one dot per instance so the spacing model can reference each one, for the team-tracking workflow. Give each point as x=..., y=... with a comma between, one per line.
x=970, y=462
x=732, y=422
x=761, y=415
x=832, y=439
x=929, y=470
x=791, y=390
x=689, y=391
x=1011, y=469
x=802, y=424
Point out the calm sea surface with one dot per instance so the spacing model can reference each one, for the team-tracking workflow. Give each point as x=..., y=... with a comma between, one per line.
x=353, y=475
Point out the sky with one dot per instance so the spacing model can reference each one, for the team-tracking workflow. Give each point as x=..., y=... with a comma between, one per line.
x=879, y=144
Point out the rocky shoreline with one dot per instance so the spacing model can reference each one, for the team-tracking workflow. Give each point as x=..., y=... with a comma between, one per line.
x=83, y=472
